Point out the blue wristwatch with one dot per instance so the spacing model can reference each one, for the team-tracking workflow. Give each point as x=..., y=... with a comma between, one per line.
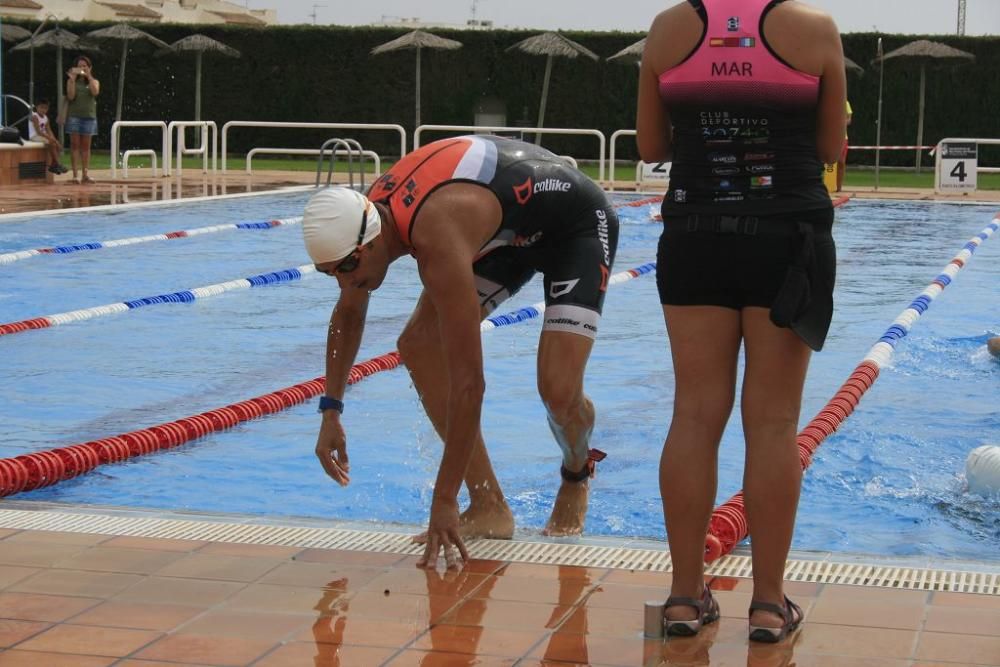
x=327, y=403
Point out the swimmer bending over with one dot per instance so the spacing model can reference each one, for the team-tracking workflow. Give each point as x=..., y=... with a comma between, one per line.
x=480, y=215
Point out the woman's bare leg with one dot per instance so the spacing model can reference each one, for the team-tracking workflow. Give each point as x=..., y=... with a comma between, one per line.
x=776, y=364
x=704, y=344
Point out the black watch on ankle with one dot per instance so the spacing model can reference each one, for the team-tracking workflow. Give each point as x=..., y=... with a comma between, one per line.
x=327, y=403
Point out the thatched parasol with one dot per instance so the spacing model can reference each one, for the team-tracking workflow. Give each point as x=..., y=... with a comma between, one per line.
x=926, y=52
x=852, y=66
x=59, y=39
x=550, y=45
x=124, y=33
x=13, y=33
x=199, y=45
x=630, y=54
x=419, y=40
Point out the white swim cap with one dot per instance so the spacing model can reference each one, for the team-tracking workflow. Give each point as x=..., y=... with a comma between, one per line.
x=332, y=221
x=982, y=470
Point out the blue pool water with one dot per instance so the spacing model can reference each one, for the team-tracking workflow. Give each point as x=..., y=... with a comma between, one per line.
x=889, y=482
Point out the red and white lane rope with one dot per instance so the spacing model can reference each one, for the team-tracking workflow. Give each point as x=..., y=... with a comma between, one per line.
x=11, y=257
x=728, y=525
x=642, y=202
x=47, y=467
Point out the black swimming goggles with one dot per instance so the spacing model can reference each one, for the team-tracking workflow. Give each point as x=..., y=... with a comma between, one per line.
x=350, y=263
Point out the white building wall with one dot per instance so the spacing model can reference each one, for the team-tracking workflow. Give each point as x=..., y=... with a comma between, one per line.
x=172, y=11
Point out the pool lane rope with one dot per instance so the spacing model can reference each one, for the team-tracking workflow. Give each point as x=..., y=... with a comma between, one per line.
x=184, y=296
x=11, y=257
x=47, y=467
x=728, y=525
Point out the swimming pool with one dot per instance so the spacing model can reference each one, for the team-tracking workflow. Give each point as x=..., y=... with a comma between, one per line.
x=888, y=482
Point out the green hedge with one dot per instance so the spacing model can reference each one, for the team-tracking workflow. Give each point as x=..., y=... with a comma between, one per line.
x=325, y=74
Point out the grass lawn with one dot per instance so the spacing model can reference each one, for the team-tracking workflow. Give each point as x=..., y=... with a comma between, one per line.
x=854, y=178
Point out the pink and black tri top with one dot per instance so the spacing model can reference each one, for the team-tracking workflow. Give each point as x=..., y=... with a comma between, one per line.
x=744, y=121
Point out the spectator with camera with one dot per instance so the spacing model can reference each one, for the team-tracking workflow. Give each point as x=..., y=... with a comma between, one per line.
x=82, y=90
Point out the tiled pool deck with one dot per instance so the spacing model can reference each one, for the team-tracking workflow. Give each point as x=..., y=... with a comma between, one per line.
x=91, y=600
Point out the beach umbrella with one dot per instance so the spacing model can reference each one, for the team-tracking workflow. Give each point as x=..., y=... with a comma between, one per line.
x=199, y=45
x=551, y=45
x=852, y=66
x=13, y=33
x=925, y=53
x=419, y=40
x=126, y=34
x=630, y=54
x=58, y=39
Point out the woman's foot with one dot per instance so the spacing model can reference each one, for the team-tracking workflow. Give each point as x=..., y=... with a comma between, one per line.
x=771, y=623
x=87, y=180
x=685, y=617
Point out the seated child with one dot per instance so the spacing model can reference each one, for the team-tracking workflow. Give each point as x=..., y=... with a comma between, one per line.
x=39, y=130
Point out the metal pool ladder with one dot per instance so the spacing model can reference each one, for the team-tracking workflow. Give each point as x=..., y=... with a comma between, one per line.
x=341, y=147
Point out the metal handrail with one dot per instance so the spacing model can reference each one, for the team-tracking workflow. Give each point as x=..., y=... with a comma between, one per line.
x=26, y=104
x=116, y=128
x=139, y=151
x=315, y=126
x=351, y=147
x=180, y=126
x=306, y=151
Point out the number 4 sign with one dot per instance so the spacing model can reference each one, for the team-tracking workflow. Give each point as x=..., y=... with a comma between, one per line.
x=957, y=167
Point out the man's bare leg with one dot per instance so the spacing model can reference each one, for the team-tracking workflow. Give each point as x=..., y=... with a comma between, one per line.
x=562, y=360
x=488, y=514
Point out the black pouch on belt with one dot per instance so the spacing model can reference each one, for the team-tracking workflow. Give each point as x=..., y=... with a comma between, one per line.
x=793, y=297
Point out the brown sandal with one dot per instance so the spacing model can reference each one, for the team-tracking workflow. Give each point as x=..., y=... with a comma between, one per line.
x=791, y=616
x=708, y=612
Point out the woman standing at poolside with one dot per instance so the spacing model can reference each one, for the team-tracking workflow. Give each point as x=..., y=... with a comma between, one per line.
x=747, y=97
x=82, y=90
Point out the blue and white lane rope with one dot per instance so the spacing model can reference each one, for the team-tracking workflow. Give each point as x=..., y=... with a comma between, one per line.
x=882, y=351
x=276, y=277
x=531, y=312
x=11, y=257
x=184, y=296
